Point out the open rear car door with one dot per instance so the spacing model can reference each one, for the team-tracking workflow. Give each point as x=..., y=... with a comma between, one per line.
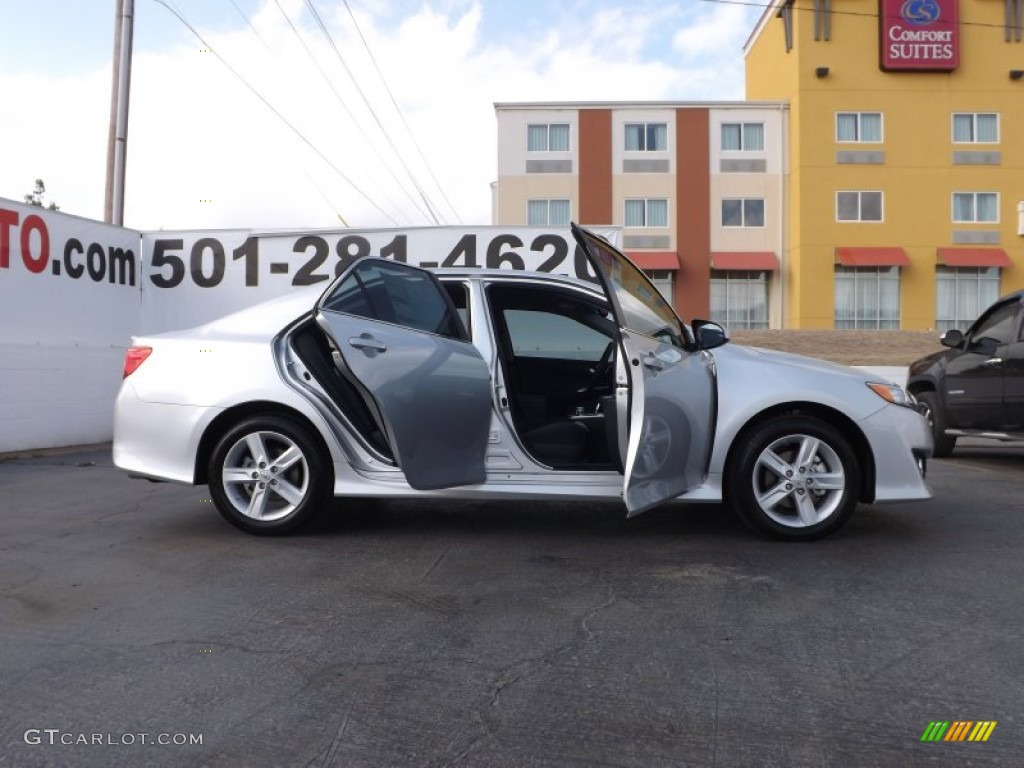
x=666, y=392
x=399, y=340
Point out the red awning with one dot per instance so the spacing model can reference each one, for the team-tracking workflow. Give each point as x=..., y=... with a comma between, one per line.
x=654, y=259
x=872, y=257
x=974, y=257
x=763, y=261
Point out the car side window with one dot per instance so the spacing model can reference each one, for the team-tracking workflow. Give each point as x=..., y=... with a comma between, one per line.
x=399, y=294
x=535, y=333
x=459, y=294
x=997, y=325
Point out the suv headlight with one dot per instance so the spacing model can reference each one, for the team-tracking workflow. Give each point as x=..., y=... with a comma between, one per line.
x=893, y=393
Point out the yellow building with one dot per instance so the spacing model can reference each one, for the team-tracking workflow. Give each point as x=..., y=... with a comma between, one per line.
x=905, y=157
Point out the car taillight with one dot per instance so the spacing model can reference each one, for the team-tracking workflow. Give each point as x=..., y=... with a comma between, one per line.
x=133, y=358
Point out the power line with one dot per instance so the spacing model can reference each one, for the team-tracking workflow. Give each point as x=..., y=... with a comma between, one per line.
x=245, y=17
x=373, y=112
x=281, y=117
x=401, y=115
x=344, y=106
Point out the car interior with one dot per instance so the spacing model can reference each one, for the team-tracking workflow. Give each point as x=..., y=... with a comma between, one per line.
x=557, y=352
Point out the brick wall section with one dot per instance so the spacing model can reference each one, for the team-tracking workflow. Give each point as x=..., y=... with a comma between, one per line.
x=693, y=213
x=595, y=159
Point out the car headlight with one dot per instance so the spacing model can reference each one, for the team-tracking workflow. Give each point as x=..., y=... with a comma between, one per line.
x=893, y=393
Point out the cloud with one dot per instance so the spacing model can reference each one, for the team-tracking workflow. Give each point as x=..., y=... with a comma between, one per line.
x=203, y=151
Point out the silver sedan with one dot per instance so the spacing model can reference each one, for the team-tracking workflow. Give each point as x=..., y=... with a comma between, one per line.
x=400, y=382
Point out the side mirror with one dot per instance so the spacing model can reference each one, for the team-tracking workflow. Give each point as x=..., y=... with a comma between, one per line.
x=953, y=339
x=709, y=334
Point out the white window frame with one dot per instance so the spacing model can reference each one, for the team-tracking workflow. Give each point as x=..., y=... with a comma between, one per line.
x=742, y=125
x=548, y=201
x=646, y=124
x=860, y=130
x=743, y=213
x=647, y=217
x=860, y=206
x=975, y=220
x=749, y=280
x=547, y=134
x=974, y=127
x=979, y=277
x=856, y=276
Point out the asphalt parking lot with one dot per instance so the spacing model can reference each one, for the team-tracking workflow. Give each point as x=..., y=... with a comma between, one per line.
x=483, y=634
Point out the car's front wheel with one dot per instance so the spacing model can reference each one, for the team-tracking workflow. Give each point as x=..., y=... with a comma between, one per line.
x=931, y=408
x=795, y=478
x=268, y=475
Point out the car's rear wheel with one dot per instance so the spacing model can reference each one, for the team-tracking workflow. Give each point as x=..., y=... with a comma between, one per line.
x=268, y=475
x=794, y=478
x=931, y=408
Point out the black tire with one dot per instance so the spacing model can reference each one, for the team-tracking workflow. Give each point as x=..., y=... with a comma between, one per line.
x=932, y=410
x=289, y=495
x=800, y=509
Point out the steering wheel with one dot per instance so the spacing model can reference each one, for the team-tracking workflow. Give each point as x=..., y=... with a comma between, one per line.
x=598, y=375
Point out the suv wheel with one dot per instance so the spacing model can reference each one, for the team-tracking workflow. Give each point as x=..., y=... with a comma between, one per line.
x=932, y=410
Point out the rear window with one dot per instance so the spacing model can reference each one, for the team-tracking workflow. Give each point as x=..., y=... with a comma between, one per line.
x=398, y=294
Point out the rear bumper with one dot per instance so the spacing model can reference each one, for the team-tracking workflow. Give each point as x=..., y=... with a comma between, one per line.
x=158, y=440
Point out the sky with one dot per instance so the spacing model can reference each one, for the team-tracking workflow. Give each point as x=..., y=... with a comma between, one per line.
x=385, y=120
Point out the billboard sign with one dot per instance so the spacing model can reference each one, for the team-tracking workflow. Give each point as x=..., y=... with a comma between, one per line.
x=918, y=35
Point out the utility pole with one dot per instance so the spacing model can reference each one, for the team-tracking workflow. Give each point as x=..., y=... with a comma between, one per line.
x=117, y=136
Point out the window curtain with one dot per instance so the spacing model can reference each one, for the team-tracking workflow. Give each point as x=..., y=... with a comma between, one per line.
x=963, y=128
x=558, y=213
x=963, y=206
x=634, y=213
x=753, y=137
x=871, y=126
x=988, y=128
x=846, y=127
x=657, y=137
x=634, y=137
x=537, y=213
x=559, y=138
x=657, y=213
x=536, y=138
x=987, y=207
x=730, y=136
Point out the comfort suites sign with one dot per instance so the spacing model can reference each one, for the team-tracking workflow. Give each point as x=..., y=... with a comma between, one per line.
x=918, y=35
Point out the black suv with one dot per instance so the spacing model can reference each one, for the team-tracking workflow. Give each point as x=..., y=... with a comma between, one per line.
x=976, y=388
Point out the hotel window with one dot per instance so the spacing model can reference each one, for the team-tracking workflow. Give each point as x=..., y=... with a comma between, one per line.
x=743, y=137
x=863, y=127
x=962, y=293
x=547, y=137
x=547, y=213
x=975, y=207
x=867, y=297
x=975, y=128
x=743, y=212
x=646, y=137
x=858, y=206
x=647, y=213
x=739, y=299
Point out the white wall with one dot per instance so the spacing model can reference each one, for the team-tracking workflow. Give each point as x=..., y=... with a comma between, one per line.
x=69, y=296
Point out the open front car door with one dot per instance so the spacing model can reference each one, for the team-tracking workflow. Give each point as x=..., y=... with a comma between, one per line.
x=399, y=340
x=666, y=385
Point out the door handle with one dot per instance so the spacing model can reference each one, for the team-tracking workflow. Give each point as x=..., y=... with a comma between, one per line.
x=993, y=361
x=367, y=342
x=652, y=362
